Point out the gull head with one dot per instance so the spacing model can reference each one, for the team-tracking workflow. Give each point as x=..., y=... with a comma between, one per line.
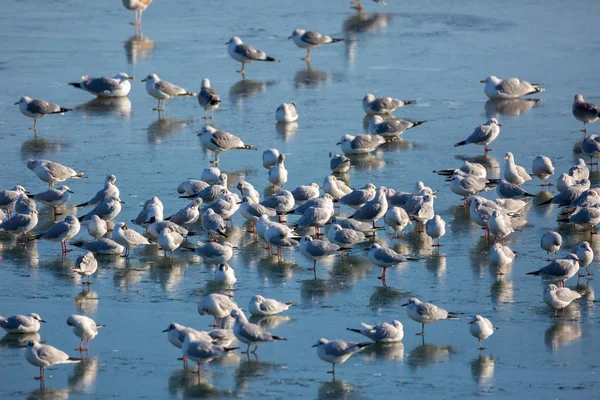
x=509, y=156
x=428, y=198
x=578, y=98
x=235, y=40
x=551, y=288
x=20, y=188
x=224, y=267
x=345, y=138
x=491, y=78
x=71, y=219
x=397, y=324
x=257, y=299
x=223, y=179
x=281, y=158
x=321, y=342
x=31, y=164
x=121, y=225
x=493, y=121
x=64, y=188
x=205, y=83
x=171, y=327
x=411, y=301
x=572, y=256
x=37, y=317
x=237, y=313
x=477, y=318
x=376, y=119
x=122, y=77
x=110, y=178
x=30, y=344
x=151, y=78
x=306, y=239
x=373, y=246
x=297, y=32
x=368, y=98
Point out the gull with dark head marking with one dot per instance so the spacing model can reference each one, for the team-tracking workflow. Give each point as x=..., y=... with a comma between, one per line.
x=383, y=333
x=339, y=164
x=585, y=254
x=337, y=351
x=44, y=356
x=280, y=236
x=208, y=98
x=481, y=328
x=584, y=111
x=117, y=86
x=218, y=141
x=21, y=323
x=191, y=187
x=127, y=237
x=344, y=237
x=383, y=105
x=360, y=144
x=426, y=313
x=483, y=135
x=52, y=172
x=510, y=88
x=85, y=328
x=250, y=334
x=390, y=127
x=213, y=224
x=61, y=232
x=36, y=109
x=309, y=40
x=225, y=275
x=245, y=53
x=315, y=249
x=384, y=258
x=201, y=351
x=163, y=90
x=86, y=265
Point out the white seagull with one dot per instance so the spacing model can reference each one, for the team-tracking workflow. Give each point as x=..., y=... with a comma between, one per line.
x=117, y=86
x=86, y=265
x=219, y=142
x=44, y=356
x=309, y=40
x=21, y=323
x=426, y=313
x=337, y=351
x=383, y=333
x=163, y=90
x=36, y=109
x=245, y=53
x=84, y=328
x=481, y=328
x=383, y=105
x=510, y=88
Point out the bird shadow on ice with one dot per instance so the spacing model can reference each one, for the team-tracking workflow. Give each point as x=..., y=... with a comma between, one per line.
x=246, y=88
x=119, y=107
x=310, y=77
x=138, y=47
x=562, y=333
x=275, y=270
x=427, y=355
x=163, y=127
x=84, y=375
x=188, y=385
x=384, y=351
x=44, y=393
x=366, y=162
x=268, y=322
x=86, y=301
x=248, y=370
x=482, y=368
x=37, y=146
x=509, y=107
x=286, y=130
x=387, y=297
x=335, y=389
x=18, y=340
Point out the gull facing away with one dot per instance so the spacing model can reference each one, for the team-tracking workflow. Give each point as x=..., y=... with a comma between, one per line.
x=435, y=229
x=97, y=227
x=559, y=270
x=117, y=86
x=397, y=219
x=245, y=53
x=217, y=305
x=106, y=210
x=501, y=255
x=36, y=109
x=551, y=242
x=44, y=356
x=278, y=235
x=483, y=135
x=218, y=141
x=262, y=306
x=286, y=113
x=169, y=240
x=86, y=265
x=85, y=328
x=269, y=158
x=360, y=144
x=481, y=328
x=337, y=351
x=225, y=275
x=278, y=174
x=208, y=98
x=309, y=40
x=21, y=323
x=584, y=111
x=542, y=168
x=138, y=7
x=163, y=90
x=250, y=334
x=510, y=88
x=426, y=313
x=52, y=172
x=176, y=334
x=559, y=298
x=585, y=254
x=62, y=231
x=383, y=105
x=383, y=333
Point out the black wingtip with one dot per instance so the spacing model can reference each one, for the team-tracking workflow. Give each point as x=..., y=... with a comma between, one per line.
x=536, y=273
x=75, y=84
x=460, y=143
x=364, y=344
x=279, y=338
x=418, y=123
x=353, y=330
x=271, y=59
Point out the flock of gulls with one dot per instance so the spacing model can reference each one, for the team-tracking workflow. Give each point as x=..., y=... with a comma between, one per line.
x=294, y=219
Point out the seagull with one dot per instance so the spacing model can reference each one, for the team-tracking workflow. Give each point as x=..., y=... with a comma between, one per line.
x=217, y=305
x=421, y=210
x=176, y=335
x=44, y=356
x=513, y=173
x=84, y=328
x=339, y=164
x=390, y=127
x=481, y=328
x=21, y=224
x=510, y=88
x=435, y=229
x=127, y=238
x=397, y=219
x=220, y=141
x=36, y=109
x=499, y=226
x=335, y=187
x=278, y=174
x=286, y=113
x=384, y=257
x=201, y=351
x=247, y=189
x=225, y=275
x=315, y=217
x=191, y=187
x=585, y=112
x=106, y=210
x=9, y=197
x=507, y=190
x=86, y=265
x=501, y=255
x=309, y=40
x=590, y=147
x=214, y=253
x=282, y=202
x=559, y=270
x=61, y=232
x=252, y=211
x=52, y=172
x=54, y=197
x=382, y=333
x=103, y=246
x=542, y=168
x=138, y=7
x=483, y=135
x=360, y=144
x=373, y=209
x=163, y=90
x=344, y=237
x=262, y=306
x=579, y=171
x=337, y=351
x=383, y=105
x=551, y=242
x=558, y=298
x=359, y=197
x=305, y=192
x=245, y=53
x=315, y=249
x=110, y=190
x=213, y=224
x=280, y=236
x=187, y=215
x=117, y=86
x=21, y=323
x=208, y=98
x=426, y=313
x=585, y=254
x=269, y=158
x=169, y=240
x=467, y=186
x=250, y=334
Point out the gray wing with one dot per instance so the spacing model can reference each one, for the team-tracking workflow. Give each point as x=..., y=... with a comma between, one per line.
x=515, y=87
x=384, y=103
x=257, y=210
x=356, y=197
x=368, y=211
x=56, y=230
x=383, y=331
x=16, y=322
x=52, y=354
x=394, y=126
x=225, y=140
x=101, y=85
x=270, y=305
x=48, y=196
x=473, y=184
x=321, y=247
x=60, y=171
x=16, y=221
x=208, y=96
x=555, y=268
x=42, y=107
x=275, y=202
x=366, y=141
x=315, y=38
x=566, y=294
x=253, y=333
x=389, y=256
x=8, y=196
x=250, y=52
x=431, y=310
x=339, y=348
x=480, y=134
x=170, y=89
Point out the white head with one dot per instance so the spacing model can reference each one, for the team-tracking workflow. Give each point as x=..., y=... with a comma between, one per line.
x=321, y=342
x=297, y=32
x=235, y=40
x=205, y=83
x=493, y=79
x=509, y=156
x=110, y=178
x=368, y=98
x=493, y=121
x=122, y=77
x=121, y=225
x=411, y=301
x=475, y=319
x=306, y=239
x=551, y=288
x=376, y=119
x=578, y=98
x=36, y=317
x=151, y=78
x=24, y=100
x=345, y=138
